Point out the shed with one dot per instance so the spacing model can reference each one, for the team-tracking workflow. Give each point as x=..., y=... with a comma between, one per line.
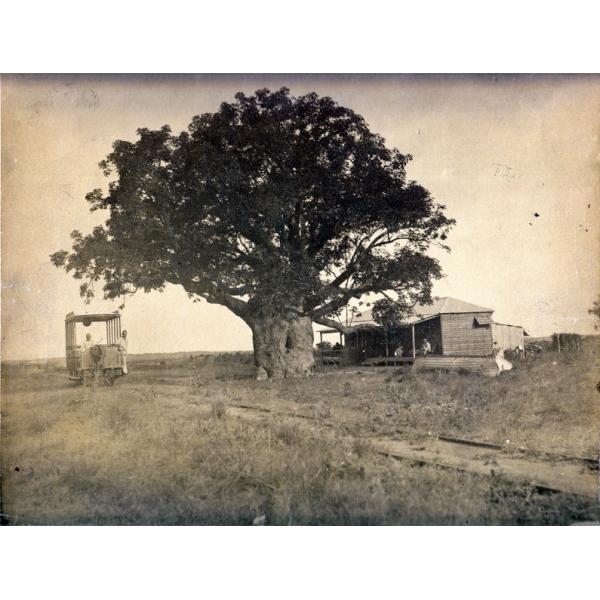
x=453, y=328
x=508, y=337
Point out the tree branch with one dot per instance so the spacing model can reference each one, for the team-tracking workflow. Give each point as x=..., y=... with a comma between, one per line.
x=333, y=324
x=360, y=251
x=215, y=295
x=325, y=309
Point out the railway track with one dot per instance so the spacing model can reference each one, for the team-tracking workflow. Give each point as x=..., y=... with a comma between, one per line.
x=544, y=471
x=591, y=463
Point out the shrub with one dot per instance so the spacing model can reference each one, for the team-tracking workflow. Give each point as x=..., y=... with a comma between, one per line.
x=217, y=409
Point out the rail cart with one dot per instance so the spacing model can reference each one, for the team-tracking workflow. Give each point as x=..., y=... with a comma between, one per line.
x=101, y=363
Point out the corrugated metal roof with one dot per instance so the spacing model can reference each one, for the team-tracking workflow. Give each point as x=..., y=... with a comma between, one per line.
x=439, y=306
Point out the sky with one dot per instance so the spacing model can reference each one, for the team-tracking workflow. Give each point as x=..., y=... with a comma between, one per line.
x=515, y=159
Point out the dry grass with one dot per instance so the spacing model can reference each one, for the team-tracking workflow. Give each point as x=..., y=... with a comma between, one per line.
x=164, y=447
x=547, y=404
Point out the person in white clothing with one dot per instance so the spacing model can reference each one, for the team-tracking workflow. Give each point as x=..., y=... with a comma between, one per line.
x=503, y=364
x=88, y=343
x=425, y=348
x=122, y=343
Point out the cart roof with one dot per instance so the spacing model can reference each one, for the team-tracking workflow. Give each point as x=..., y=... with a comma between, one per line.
x=73, y=318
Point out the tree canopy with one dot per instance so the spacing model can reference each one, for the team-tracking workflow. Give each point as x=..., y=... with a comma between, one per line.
x=272, y=200
x=389, y=313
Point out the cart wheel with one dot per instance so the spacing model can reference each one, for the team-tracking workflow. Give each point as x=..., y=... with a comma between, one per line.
x=108, y=377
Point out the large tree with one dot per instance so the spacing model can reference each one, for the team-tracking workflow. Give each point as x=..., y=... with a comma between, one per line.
x=280, y=208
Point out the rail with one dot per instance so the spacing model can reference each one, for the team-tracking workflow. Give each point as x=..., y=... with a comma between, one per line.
x=536, y=468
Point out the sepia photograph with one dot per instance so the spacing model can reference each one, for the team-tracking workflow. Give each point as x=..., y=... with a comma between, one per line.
x=300, y=299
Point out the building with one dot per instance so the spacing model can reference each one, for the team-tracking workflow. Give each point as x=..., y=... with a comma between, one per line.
x=452, y=327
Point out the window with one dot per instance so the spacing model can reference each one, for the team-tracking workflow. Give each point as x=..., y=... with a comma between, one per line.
x=482, y=321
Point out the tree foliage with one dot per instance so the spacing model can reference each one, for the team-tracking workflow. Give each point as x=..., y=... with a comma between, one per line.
x=276, y=201
x=389, y=313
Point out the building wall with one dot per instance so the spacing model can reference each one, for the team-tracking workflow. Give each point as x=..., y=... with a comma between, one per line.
x=462, y=337
x=508, y=337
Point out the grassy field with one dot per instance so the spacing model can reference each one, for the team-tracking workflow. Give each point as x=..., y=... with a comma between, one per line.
x=165, y=445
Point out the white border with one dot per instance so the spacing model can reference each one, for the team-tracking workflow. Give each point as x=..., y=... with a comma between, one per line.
x=311, y=37
x=309, y=562
x=314, y=36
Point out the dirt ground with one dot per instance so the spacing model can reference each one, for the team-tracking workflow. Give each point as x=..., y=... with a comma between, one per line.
x=172, y=443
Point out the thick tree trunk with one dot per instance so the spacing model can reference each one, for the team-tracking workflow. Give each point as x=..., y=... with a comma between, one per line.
x=283, y=346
